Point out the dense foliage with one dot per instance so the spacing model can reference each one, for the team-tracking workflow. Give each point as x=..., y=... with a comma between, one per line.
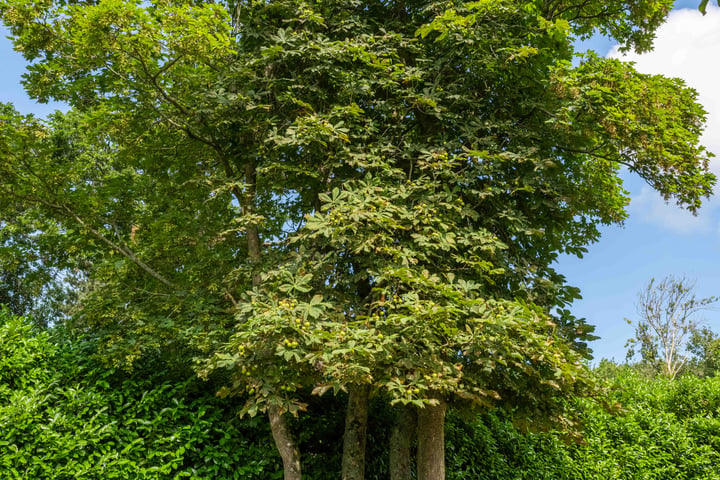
x=667, y=429
x=64, y=416
x=301, y=197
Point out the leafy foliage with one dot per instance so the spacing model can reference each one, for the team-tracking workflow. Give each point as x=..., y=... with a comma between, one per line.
x=704, y=345
x=667, y=429
x=318, y=196
x=65, y=416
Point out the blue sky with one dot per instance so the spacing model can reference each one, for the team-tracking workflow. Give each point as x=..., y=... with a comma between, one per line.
x=12, y=67
x=657, y=240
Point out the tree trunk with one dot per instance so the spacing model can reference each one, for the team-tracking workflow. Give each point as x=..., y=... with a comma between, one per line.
x=400, y=442
x=431, y=442
x=285, y=443
x=356, y=419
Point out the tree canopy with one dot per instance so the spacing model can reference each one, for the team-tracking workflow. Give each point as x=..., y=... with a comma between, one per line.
x=341, y=195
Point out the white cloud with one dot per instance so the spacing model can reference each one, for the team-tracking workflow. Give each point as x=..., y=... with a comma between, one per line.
x=650, y=207
x=688, y=47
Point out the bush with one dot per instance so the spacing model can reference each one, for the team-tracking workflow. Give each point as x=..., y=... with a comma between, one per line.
x=64, y=416
x=666, y=430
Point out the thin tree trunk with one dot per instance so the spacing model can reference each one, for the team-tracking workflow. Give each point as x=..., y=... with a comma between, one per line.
x=400, y=442
x=354, y=440
x=431, y=442
x=285, y=443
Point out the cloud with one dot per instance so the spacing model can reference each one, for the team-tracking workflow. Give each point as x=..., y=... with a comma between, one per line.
x=649, y=206
x=688, y=47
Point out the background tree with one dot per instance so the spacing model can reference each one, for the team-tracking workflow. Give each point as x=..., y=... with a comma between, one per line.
x=33, y=283
x=38, y=277
x=668, y=320
x=704, y=345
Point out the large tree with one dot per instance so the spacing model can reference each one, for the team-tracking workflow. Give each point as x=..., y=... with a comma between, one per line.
x=344, y=195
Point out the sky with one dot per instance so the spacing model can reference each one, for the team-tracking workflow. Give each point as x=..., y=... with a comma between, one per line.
x=657, y=239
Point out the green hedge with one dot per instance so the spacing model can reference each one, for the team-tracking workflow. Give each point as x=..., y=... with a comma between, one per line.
x=65, y=416
x=667, y=430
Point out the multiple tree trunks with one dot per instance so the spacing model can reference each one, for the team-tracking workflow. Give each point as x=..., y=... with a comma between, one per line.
x=428, y=422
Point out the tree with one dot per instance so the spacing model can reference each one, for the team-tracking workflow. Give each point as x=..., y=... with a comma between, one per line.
x=340, y=196
x=31, y=284
x=704, y=345
x=667, y=311
x=36, y=280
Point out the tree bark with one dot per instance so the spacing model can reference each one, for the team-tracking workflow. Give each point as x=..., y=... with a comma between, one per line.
x=400, y=442
x=431, y=442
x=285, y=443
x=355, y=437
